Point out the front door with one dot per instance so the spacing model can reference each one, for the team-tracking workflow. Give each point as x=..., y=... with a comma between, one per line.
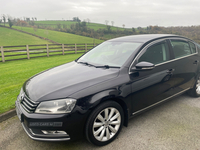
x=151, y=86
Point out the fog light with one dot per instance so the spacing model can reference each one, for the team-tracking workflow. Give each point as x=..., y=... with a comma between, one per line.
x=49, y=132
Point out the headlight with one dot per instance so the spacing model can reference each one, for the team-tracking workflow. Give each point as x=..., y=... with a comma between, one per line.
x=21, y=93
x=56, y=106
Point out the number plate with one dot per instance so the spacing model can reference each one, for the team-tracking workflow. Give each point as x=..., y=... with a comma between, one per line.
x=18, y=113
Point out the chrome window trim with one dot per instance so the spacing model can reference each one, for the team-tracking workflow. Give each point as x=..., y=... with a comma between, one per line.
x=175, y=59
x=159, y=102
x=160, y=40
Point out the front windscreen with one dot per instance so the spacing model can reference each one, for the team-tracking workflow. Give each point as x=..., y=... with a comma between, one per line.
x=110, y=53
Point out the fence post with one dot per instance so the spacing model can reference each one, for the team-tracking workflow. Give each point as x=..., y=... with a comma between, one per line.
x=47, y=50
x=2, y=54
x=63, y=49
x=94, y=44
x=27, y=51
x=75, y=49
x=85, y=47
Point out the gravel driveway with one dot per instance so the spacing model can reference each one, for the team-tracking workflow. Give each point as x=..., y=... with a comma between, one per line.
x=174, y=125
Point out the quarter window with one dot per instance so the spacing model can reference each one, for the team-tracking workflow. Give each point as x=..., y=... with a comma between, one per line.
x=156, y=54
x=193, y=47
x=180, y=48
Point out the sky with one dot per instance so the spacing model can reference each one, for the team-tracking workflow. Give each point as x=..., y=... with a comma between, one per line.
x=131, y=13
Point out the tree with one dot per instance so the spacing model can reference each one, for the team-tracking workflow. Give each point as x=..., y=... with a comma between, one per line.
x=133, y=29
x=10, y=22
x=109, y=28
x=35, y=19
x=58, y=26
x=123, y=25
x=106, y=21
x=64, y=26
x=83, y=24
x=112, y=23
x=32, y=23
x=0, y=21
x=88, y=20
x=4, y=19
x=27, y=19
x=76, y=19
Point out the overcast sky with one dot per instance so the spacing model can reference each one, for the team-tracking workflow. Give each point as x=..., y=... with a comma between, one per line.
x=132, y=13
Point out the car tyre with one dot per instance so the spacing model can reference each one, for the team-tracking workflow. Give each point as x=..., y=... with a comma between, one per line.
x=104, y=123
x=195, y=91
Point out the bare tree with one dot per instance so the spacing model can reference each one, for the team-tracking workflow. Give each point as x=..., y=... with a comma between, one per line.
x=123, y=25
x=27, y=19
x=4, y=19
x=106, y=21
x=112, y=23
x=35, y=19
x=88, y=20
x=10, y=22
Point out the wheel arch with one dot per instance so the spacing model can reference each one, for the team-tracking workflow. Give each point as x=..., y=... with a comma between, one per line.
x=120, y=102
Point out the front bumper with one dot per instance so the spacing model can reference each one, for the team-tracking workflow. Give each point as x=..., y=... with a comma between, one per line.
x=40, y=137
x=71, y=126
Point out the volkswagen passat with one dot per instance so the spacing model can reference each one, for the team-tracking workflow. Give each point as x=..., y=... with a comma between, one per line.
x=95, y=95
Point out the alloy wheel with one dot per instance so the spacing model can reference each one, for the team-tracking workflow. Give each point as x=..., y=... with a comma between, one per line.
x=106, y=124
x=198, y=85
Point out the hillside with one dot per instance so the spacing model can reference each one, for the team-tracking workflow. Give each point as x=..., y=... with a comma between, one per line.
x=12, y=37
x=94, y=26
x=60, y=37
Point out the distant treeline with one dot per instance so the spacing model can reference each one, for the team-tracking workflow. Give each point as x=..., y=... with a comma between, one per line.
x=82, y=28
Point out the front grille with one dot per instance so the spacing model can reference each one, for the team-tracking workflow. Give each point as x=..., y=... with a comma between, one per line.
x=28, y=104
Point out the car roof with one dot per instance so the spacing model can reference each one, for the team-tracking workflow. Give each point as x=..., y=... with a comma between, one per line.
x=143, y=38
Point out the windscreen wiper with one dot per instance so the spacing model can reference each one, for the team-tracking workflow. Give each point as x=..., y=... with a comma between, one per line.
x=107, y=66
x=86, y=63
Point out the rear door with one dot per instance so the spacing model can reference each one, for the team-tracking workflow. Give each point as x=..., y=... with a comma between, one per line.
x=186, y=63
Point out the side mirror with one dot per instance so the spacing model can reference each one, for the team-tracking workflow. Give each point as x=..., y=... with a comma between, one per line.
x=143, y=66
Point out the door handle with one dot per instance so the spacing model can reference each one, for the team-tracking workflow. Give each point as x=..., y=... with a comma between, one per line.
x=170, y=70
x=196, y=62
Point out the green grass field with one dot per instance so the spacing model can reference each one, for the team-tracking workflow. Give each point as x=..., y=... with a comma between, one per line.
x=60, y=37
x=94, y=26
x=14, y=73
x=12, y=37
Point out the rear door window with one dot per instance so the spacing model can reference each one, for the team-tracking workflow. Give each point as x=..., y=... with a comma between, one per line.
x=180, y=48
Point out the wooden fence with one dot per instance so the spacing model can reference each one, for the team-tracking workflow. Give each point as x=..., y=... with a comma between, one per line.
x=9, y=53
